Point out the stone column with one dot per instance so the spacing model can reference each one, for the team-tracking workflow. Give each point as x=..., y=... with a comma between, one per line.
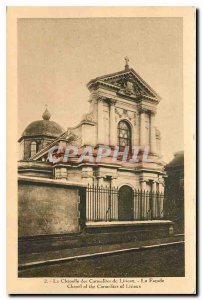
x=100, y=122
x=143, y=185
x=161, y=187
x=142, y=128
x=143, y=204
x=99, y=204
x=161, y=190
x=112, y=182
x=112, y=124
x=154, y=200
x=114, y=199
x=154, y=187
x=152, y=134
x=100, y=181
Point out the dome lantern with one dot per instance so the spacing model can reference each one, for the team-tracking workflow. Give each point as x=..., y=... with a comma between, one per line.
x=46, y=115
x=44, y=128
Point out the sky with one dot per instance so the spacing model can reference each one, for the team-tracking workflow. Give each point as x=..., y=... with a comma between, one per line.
x=58, y=57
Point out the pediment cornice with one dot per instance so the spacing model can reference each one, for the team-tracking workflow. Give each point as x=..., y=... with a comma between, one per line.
x=126, y=83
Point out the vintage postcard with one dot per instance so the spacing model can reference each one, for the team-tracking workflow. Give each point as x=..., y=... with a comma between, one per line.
x=101, y=150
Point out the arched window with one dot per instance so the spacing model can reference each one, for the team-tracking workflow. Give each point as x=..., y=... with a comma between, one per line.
x=124, y=134
x=33, y=148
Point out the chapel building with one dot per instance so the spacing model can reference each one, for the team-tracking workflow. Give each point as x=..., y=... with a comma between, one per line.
x=122, y=112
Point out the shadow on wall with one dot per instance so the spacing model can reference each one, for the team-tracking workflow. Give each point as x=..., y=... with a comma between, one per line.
x=174, y=191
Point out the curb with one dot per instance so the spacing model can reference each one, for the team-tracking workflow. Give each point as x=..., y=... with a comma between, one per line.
x=71, y=258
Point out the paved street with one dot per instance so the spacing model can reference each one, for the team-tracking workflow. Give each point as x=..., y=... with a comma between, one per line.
x=159, y=262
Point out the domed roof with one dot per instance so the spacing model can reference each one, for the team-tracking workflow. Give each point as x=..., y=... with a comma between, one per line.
x=43, y=127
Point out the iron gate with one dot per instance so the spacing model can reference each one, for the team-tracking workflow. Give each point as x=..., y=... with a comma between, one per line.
x=102, y=204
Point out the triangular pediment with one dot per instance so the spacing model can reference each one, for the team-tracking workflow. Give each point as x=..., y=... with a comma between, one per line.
x=127, y=82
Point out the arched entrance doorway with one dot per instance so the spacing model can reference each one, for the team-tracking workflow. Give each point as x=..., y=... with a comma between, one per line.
x=126, y=203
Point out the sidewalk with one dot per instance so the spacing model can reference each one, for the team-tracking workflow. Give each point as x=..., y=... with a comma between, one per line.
x=36, y=259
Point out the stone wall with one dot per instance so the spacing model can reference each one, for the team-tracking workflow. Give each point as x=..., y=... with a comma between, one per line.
x=47, y=207
x=35, y=169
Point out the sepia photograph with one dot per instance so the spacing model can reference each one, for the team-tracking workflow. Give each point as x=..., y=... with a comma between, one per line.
x=100, y=135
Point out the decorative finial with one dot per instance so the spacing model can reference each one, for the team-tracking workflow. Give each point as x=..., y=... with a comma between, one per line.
x=127, y=61
x=46, y=115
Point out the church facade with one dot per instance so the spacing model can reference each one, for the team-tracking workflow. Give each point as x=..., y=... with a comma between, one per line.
x=122, y=112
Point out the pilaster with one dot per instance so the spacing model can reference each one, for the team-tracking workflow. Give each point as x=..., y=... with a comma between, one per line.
x=142, y=128
x=152, y=133
x=100, y=122
x=112, y=123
